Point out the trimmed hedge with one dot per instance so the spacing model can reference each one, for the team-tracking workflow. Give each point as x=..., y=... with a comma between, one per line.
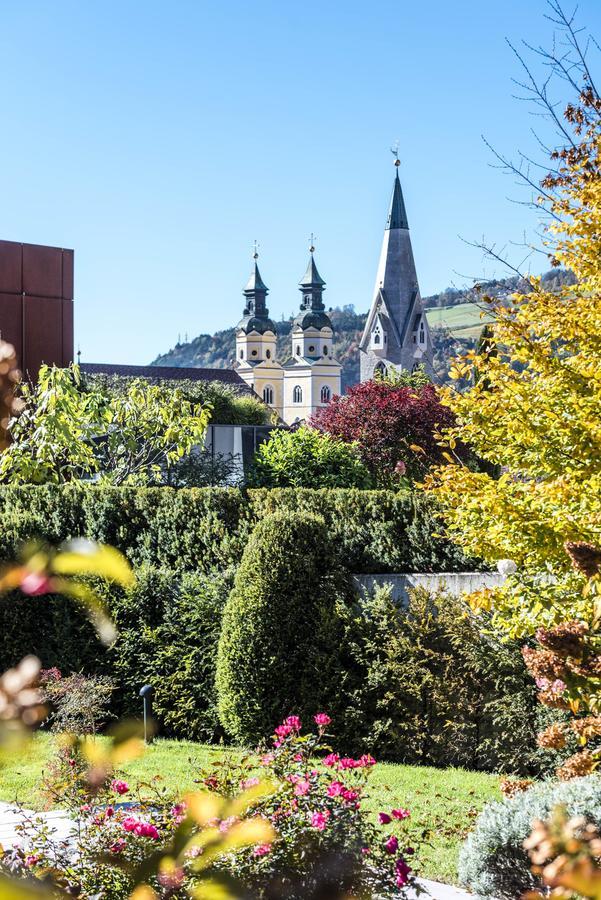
x=206, y=529
x=279, y=647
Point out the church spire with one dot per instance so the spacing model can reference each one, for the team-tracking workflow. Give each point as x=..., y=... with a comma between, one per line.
x=397, y=215
x=256, y=314
x=312, y=284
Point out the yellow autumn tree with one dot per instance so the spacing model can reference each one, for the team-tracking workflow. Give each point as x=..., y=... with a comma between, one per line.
x=533, y=412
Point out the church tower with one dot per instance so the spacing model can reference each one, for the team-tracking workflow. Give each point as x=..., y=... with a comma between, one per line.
x=311, y=375
x=396, y=331
x=256, y=344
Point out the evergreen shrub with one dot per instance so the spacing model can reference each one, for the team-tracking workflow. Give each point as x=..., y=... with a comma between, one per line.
x=206, y=529
x=437, y=687
x=278, y=650
x=493, y=861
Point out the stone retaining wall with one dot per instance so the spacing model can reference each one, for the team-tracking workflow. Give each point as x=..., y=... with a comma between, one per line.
x=452, y=582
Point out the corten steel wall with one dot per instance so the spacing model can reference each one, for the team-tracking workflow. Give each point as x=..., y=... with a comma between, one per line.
x=36, y=304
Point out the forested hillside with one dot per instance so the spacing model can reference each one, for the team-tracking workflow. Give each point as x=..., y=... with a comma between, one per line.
x=455, y=317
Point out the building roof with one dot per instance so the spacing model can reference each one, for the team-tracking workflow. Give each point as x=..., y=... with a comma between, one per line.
x=169, y=373
x=255, y=282
x=311, y=278
x=397, y=215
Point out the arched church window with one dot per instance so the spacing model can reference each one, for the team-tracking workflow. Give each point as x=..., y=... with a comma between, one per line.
x=380, y=370
x=268, y=395
x=422, y=333
x=268, y=354
x=325, y=350
x=242, y=354
x=297, y=394
x=376, y=338
x=326, y=394
x=297, y=350
x=415, y=368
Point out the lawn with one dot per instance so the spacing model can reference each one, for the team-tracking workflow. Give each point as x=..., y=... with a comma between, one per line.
x=465, y=320
x=443, y=802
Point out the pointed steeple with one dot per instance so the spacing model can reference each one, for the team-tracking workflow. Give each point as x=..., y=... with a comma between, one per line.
x=397, y=214
x=256, y=315
x=312, y=286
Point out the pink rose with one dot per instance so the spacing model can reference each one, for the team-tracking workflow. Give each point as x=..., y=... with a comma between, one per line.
x=350, y=796
x=332, y=759
x=402, y=872
x=322, y=719
x=248, y=783
x=120, y=787
x=283, y=731
x=262, y=850
x=34, y=584
x=392, y=844
x=145, y=829
x=401, y=814
x=335, y=789
x=31, y=860
x=110, y=812
x=267, y=759
x=302, y=788
x=384, y=818
x=294, y=722
x=319, y=820
x=119, y=846
x=129, y=823
x=367, y=761
x=348, y=763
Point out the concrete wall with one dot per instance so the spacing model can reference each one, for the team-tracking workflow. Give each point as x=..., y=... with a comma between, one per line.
x=452, y=582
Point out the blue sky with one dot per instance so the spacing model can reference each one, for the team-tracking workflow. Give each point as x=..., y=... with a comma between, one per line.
x=159, y=139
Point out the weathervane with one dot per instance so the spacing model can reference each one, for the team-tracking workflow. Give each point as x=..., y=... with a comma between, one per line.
x=395, y=152
x=256, y=250
x=312, y=243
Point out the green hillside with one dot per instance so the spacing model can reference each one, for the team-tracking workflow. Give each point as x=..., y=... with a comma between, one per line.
x=455, y=317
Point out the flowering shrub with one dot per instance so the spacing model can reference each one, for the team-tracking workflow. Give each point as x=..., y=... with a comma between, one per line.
x=324, y=836
x=79, y=703
x=288, y=822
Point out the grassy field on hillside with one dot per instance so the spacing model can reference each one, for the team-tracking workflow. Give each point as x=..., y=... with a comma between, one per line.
x=443, y=802
x=462, y=321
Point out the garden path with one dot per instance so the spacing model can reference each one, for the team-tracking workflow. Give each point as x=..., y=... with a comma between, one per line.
x=11, y=816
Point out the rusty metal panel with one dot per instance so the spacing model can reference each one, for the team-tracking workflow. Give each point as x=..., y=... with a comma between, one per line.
x=67, y=293
x=42, y=270
x=67, y=348
x=42, y=333
x=11, y=322
x=11, y=263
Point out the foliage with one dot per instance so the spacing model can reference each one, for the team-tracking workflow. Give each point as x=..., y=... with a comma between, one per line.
x=308, y=458
x=438, y=687
x=535, y=406
x=227, y=404
x=280, y=633
x=566, y=854
x=66, y=432
x=494, y=861
x=205, y=530
x=326, y=844
x=78, y=703
x=394, y=426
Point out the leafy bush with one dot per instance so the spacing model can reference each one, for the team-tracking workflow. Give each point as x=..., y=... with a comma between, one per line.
x=493, y=861
x=228, y=405
x=206, y=529
x=394, y=425
x=78, y=703
x=437, y=687
x=277, y=650
x=318, y=812
x=308, y=458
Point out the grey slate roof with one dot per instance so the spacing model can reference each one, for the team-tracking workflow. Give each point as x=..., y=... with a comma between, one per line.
x=311, y=277
x=255, y=282
x=397, y=215
x=169, y=373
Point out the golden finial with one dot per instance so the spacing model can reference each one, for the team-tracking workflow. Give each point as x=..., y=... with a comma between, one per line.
x=312, y=243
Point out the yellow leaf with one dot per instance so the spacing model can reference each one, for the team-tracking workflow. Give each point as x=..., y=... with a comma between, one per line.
x=204, y=806
x=83, y=557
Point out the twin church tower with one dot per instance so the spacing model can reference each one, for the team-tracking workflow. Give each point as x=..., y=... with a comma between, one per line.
x=395, y=334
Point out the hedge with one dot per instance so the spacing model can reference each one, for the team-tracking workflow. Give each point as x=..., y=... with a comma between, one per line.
x=206, y=529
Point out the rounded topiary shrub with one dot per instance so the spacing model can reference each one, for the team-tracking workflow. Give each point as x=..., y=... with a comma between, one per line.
x=278, y=650
x=493, y=862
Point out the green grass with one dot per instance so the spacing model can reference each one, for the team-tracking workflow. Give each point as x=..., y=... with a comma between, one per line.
x=443, y=802
x=465, y=320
